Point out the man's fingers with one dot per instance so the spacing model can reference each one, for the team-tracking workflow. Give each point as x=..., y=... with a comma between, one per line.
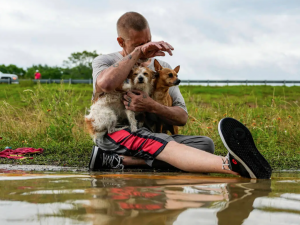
x=126, y=97
x=167, y=48
x=159, y=53
x=136, y=92
x=152, y=46
x=128, y=107
x=170, y=46
x=158, y=46
x=131, y=94
x=153, y=49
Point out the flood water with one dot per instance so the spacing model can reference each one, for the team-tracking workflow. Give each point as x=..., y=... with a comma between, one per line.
x=147, y=199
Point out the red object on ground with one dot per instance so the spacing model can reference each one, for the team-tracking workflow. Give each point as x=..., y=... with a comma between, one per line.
x=37, y=75
x=20, y=152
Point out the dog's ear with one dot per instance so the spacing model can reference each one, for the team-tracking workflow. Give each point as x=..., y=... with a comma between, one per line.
x=135, y=66
x=155, y=75
x=130, y=74
x=177, y=69
x=157, y=66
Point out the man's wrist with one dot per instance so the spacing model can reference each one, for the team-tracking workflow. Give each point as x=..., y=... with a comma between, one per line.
x=138, y=50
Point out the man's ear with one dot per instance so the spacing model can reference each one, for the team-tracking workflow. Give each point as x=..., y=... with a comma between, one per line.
x=177, y=69
x=120, y=41
x=157, y=66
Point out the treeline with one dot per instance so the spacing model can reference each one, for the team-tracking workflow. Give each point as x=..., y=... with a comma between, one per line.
x=77, y=66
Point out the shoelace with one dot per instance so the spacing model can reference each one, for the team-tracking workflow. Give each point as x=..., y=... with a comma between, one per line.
x=224, y=162
x=109, y=160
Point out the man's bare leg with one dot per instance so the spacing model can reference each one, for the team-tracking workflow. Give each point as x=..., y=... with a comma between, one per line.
x=133, y=161
x=186, y=158
x=192, y=160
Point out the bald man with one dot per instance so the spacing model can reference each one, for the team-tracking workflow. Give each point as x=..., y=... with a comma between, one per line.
x=144, y=147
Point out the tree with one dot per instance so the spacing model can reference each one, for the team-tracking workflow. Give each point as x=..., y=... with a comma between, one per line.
x=12, y=69
x=84, y=58
x=79, y=65
x=46, y=72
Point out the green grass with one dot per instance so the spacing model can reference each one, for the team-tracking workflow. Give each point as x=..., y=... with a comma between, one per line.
x=50, y=116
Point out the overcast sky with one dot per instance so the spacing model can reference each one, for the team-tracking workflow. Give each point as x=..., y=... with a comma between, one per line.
x=213, y=39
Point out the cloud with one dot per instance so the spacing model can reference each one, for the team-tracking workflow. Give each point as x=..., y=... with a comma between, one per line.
x=214, y=39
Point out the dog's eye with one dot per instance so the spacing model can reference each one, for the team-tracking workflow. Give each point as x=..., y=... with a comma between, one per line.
x=135, y=74
x=170, y=75
x=145, y=74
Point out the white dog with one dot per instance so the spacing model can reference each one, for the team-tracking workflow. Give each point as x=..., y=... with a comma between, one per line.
x=109, y=109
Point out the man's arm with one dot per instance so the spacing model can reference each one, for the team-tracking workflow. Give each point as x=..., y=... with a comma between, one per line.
x=141, y=102
x=173, y=115
x=112, y=77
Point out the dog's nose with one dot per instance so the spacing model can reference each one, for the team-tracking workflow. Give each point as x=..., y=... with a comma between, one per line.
x=141, y=79
x=177, y=82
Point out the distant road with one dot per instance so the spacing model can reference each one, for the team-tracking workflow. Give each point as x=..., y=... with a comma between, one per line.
x=188, y=82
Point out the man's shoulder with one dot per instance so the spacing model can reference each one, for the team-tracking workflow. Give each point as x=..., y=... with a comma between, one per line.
x=108, y=58
x=164, y=64
x=174, y=90
x=161, y=62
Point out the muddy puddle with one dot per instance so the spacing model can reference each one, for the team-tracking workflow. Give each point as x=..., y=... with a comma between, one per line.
x=147, y=199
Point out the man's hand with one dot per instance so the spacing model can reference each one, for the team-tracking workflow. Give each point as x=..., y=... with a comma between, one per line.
x=153, y=49
x=138, y=101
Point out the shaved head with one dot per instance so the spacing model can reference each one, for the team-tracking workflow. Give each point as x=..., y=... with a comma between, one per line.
x=131, y=20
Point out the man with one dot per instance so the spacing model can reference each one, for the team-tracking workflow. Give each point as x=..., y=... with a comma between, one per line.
x=37, y=75
x=188, y=153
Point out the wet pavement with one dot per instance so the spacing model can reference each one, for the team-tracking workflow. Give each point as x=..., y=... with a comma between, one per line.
x=30, y=197
x=41, y=168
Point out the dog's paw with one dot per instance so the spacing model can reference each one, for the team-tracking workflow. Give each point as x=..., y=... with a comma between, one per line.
x=140, y=124
x=133, y=128
x=111, y=130
x=121, y=128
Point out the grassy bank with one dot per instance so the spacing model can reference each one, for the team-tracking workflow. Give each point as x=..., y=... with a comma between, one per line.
x=51, y=117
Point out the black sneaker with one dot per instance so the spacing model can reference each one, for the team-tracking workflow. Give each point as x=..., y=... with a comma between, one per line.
x=243, y=156
x=104, y=160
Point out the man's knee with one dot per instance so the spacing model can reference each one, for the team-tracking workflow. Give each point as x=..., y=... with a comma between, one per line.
x=209, y=145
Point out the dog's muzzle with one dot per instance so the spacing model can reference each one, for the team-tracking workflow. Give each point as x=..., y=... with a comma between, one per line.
x=176, y=82
x=141, y=80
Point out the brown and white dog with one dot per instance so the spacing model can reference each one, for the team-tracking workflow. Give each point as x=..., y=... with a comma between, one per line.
x=164, y=79
x=108, y=109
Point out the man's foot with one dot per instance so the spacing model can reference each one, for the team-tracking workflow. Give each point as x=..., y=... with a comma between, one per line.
x=104, y=160
x=243, y=156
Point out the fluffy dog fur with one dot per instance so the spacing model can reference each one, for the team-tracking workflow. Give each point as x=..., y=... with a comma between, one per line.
x=108, y=109
x=164, y=79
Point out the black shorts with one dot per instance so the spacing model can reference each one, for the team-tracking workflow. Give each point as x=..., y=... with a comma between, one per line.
x=148, y=145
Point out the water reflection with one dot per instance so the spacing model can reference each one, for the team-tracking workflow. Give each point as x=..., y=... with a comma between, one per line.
x=147, y=199
x=213, y=201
